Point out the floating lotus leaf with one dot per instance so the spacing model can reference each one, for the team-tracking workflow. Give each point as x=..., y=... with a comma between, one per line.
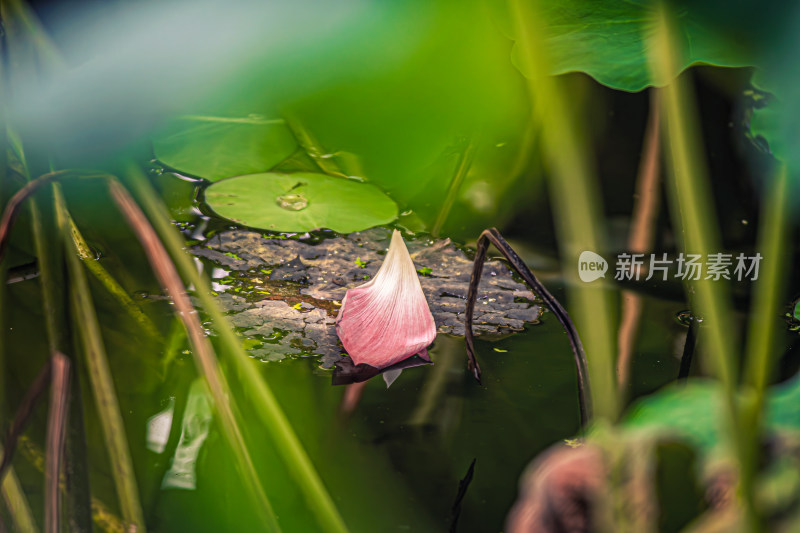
x=221, y=147
x=300, y=202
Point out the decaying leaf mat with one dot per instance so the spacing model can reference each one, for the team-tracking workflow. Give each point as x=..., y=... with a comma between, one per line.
x=283, y=294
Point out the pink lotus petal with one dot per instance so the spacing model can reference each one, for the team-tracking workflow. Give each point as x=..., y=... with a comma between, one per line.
x=387, y=319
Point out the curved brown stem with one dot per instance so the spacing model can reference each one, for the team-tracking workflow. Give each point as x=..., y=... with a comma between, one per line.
x=56, y=438
x=205, y=357
x=642, y=234
x=14, y=204
x=23, y=415
x=493, y=236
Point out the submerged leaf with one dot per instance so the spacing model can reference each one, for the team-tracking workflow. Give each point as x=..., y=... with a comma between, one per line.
x=387, y=319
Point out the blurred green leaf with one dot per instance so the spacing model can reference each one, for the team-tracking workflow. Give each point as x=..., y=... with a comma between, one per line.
x=776, y=115
x=607, y=40
x=214, y=147
x=300, y=202
x=694, y=411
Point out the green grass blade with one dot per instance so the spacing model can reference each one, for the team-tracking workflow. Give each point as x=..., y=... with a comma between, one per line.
x=103, y=518
x=284, y=438
x=576, y=200
x=108, y=281
x=50, y=282
x=694, y=216
x=693, y=208
x=17, y=504
x=204, y=356
x=49, y=252
x=765, y=320
x=100, y=378
x=459, y=173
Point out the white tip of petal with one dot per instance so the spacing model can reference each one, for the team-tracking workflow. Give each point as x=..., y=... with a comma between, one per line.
x=387, y=319
x=391, y=375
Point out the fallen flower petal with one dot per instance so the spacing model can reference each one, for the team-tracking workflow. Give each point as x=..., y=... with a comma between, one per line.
x=387, y=319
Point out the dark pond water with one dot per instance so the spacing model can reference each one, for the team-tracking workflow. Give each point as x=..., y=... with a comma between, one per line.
x=393, y=464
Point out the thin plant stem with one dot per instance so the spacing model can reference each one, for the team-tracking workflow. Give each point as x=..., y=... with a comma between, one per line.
x=693, y=215
x=15, y=203
x=175, y=342
x=285, y=440
x=460, y=172
x=205, y=358
x=78, y=499
x=50, y=281
x=84, y=251
x=768, y=289
x=640, y=240
x=493, y=236
x=526, y=146
x=3, y=180
x=576, y=199
x=100, y=378
x=56, y=434
x=54, y=303
x=22, y=28
x=316, y=152
x=761, y=349
x=111, y=285
x=103, y=517
x=12, y=491
x=23, y=415
x=694, y=208
x=17, y=503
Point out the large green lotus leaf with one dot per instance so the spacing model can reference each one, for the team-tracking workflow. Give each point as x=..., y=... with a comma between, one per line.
x=695, y=411
x=607, y=39
x=220, y=147
x=300, y=202
x=777, y=117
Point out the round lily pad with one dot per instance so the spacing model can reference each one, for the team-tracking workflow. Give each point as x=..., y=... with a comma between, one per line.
x=220, y=147
x=301, y=201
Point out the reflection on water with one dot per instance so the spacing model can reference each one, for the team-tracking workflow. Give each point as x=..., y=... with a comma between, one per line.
x=158, y=427
x=194, y=431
